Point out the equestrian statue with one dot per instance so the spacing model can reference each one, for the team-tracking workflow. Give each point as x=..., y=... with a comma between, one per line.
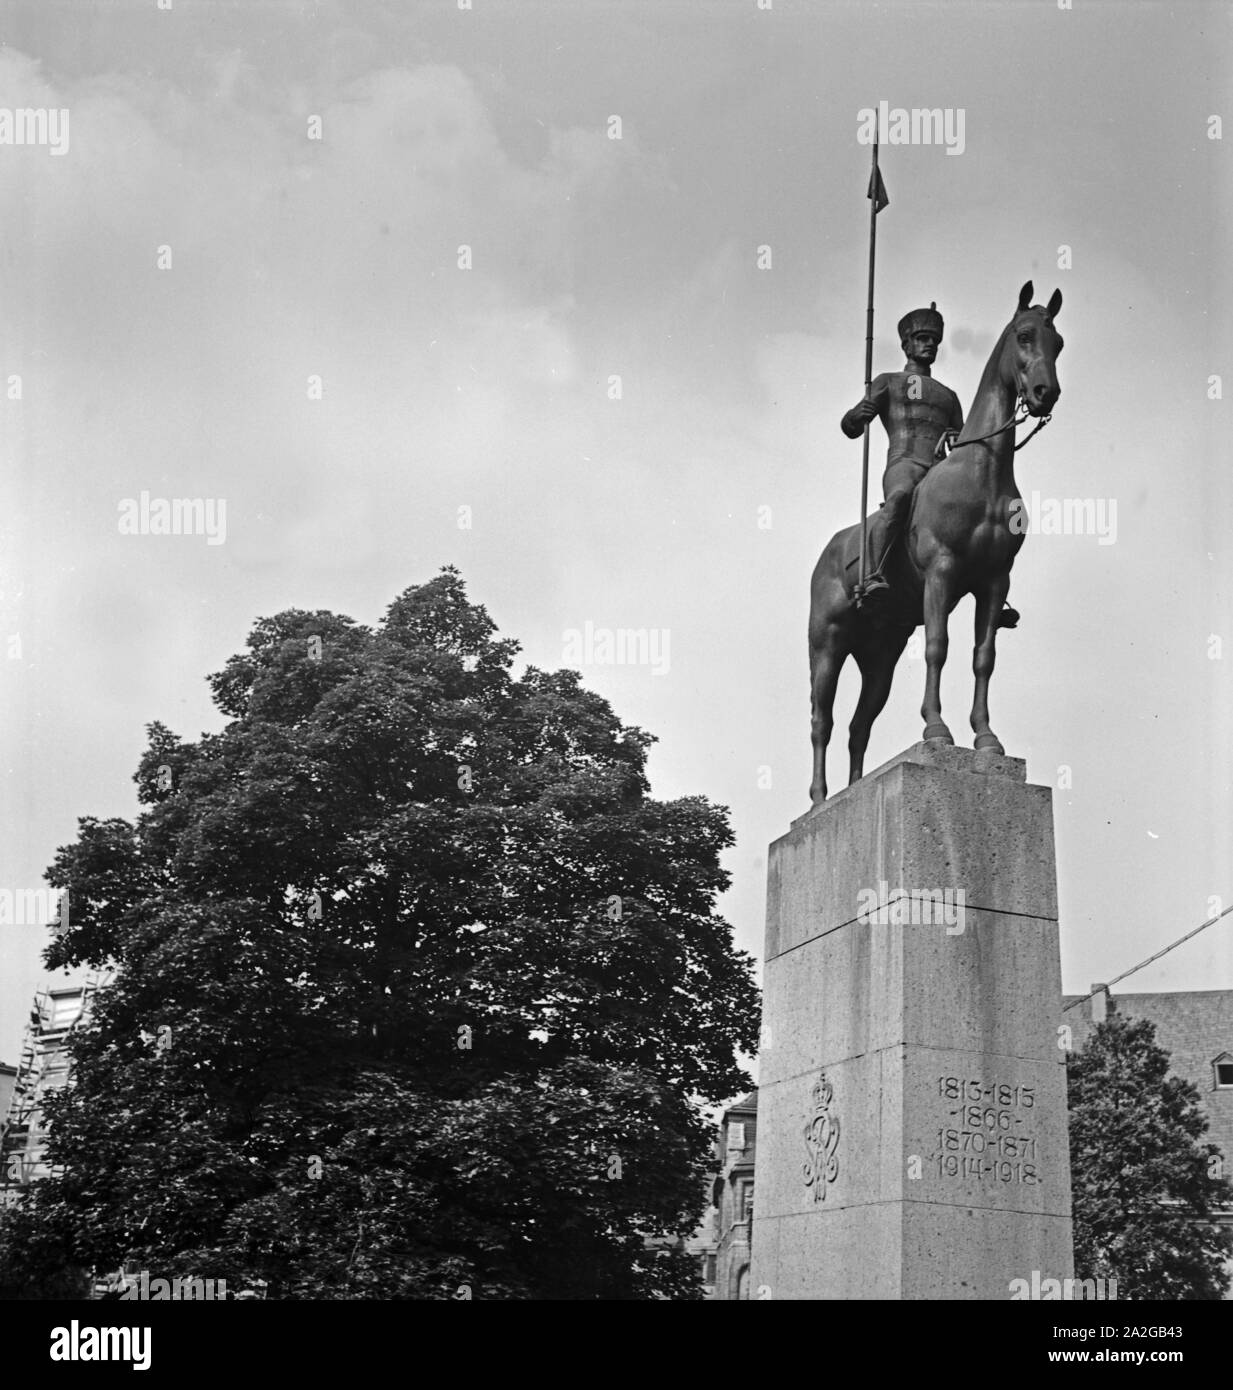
x=952, y=524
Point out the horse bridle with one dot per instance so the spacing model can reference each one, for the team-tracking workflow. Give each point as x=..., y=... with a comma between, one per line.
x=1015, y=420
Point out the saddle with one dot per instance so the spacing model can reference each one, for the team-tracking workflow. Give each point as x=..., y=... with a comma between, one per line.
x=883, y=613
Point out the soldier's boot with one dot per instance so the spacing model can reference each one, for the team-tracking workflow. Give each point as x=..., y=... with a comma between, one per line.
x=876, y=589
x=873, y=590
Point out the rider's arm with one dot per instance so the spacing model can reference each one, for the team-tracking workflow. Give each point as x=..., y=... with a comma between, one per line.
x=950, y=434
x=853, y=423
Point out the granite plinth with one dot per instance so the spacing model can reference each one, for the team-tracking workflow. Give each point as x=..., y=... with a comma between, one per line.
x=912, y=991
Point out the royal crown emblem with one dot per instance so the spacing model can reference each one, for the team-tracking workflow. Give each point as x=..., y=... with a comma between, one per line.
x=821, y=1140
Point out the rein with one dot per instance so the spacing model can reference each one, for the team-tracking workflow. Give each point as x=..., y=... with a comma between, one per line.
x=1015, y=420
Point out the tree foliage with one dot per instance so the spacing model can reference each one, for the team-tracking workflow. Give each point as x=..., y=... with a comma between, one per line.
x=1145, y=1181
x=418, y=992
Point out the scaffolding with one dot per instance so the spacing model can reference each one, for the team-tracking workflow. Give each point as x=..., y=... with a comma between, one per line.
x=42, y=1068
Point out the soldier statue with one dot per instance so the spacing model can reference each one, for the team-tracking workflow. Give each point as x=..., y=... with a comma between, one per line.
x=921, y=417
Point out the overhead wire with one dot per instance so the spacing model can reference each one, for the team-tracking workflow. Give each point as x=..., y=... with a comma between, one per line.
x=1211, y=921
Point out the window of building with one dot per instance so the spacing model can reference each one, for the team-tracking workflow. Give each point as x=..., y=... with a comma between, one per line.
x=1222, y=1067
x=708, y=1269
x=747, y=1199
x=736, y=1136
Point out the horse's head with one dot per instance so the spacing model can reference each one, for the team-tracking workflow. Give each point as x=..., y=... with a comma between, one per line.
x=1030, y=352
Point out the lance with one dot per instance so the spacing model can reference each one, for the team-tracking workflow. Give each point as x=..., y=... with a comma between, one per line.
x=877, y=201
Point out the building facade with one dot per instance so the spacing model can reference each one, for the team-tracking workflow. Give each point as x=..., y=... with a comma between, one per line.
x=42, y=1068
x=1195, y=1027
x=723, y=1242
x=8, y=1079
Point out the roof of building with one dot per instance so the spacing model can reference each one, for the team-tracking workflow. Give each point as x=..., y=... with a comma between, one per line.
x=1194, y=1027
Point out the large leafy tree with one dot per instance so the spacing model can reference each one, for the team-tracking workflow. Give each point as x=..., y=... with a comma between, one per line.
x=418, y=993
x=1145, y=1180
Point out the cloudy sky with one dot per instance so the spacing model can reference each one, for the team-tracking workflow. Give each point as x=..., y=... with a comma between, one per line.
x=490, y=388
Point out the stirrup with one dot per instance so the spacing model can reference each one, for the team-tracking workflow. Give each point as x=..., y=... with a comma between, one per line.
x=874, y=587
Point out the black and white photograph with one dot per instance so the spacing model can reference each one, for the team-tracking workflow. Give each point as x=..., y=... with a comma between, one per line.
x=615, y=646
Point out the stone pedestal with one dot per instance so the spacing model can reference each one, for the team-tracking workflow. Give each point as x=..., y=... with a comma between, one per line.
x=912, y=1101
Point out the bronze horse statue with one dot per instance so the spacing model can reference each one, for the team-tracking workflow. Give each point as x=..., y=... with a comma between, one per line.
x=965, y=527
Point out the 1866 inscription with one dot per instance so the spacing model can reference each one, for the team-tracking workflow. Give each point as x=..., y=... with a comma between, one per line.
x=989, y=1137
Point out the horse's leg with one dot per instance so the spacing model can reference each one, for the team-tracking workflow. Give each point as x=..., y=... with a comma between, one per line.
x=825, y=665
x=938, y=604
x=989, y=602
x=877, y=663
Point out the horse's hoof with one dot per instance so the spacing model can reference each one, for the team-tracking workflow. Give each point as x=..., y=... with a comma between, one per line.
x=938, y=733
x=988, y=743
